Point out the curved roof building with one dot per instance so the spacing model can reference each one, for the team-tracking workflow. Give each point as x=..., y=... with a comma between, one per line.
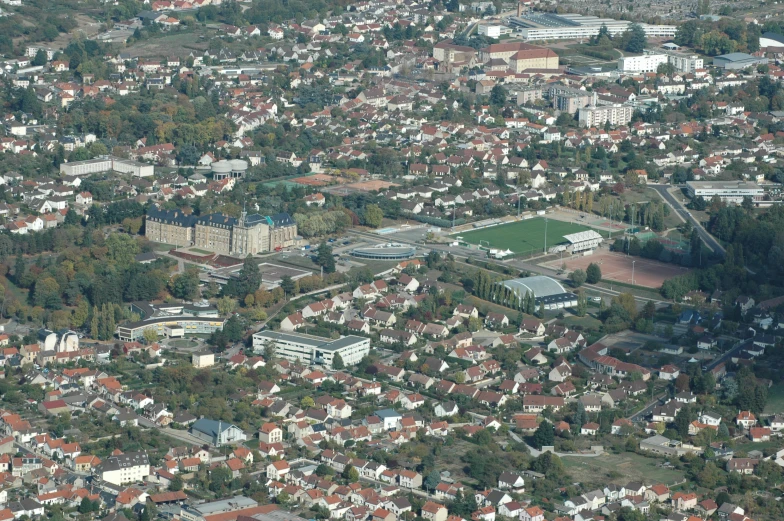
x=545, y=290
x=385, y=252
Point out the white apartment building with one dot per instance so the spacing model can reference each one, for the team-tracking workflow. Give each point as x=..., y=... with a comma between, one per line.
x=313, y=350
x=728, y=191
x=597, y=116
x=685, y=63
x=644, y=63
x=132, y=467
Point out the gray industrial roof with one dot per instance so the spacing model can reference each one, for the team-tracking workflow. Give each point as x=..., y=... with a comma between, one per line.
x=540, y=286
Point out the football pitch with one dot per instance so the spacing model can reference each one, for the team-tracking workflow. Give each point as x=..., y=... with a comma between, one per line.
x=523, y=237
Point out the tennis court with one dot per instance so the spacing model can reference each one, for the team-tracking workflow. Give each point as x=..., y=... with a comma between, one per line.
x=523, y=237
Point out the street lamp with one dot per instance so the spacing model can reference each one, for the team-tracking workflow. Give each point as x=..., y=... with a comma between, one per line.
x=633, y=272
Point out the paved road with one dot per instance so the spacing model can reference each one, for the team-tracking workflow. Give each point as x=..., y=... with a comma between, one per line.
x=733, y=350
x=685, y=215
x=640, y=415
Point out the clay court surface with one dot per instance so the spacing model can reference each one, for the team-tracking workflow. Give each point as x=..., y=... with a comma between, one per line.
x=618, y=267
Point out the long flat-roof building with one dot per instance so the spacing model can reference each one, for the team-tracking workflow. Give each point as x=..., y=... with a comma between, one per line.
x=313, y=350
x=106, y=164
x=728, y=191
x=550, y=26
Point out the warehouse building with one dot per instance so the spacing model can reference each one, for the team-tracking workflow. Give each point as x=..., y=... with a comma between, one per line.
x=738, y=60
x=313, y=350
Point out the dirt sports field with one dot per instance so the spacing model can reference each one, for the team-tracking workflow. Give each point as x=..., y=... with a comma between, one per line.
x=618, y=267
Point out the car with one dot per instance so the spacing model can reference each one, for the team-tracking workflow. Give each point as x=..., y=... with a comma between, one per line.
x=596, y=299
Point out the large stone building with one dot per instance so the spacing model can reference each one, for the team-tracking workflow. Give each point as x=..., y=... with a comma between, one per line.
x=169, y=226
x=453, y=57
x=520, y=56
x=248, y=235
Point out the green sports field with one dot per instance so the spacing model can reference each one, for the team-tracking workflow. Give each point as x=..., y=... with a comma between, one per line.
x=523, y=237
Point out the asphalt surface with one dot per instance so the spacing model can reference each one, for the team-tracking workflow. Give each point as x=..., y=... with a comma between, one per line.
x=685, y=215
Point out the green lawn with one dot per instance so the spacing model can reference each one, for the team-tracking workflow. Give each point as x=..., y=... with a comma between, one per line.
x=620, y=468
x=524, y=236
x=775, y=404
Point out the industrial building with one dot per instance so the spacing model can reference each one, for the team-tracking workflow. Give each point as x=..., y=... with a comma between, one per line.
x=545, y=290
x=107, y=164
x=550, y=26
x=728, y=191
x=225, y=169
x=313, y=350
x=771, y=40
x=737, y=61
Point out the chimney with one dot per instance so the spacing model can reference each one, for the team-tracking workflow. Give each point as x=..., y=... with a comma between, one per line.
x=519, y=8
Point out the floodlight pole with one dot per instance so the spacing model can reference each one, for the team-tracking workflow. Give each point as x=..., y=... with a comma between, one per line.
x=633, y=272
x=545, y=235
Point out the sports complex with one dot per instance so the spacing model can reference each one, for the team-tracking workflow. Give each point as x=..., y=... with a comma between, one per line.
x=527, y=237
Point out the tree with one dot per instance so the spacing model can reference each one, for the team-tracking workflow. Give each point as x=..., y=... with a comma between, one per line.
x=287, y=285
x=325, y=259
x=185, y=285
x=150, y=335
x=578, y=277
x=498, y=96
x=637, y=39
x=122, y=248
x=593, y=274
x=544, y=435
x=307, y=402
x=40, y=58
x=248, y=278
x=432, y=480
x=373, y=215
x=337, y=362
x=176, y=483
x=226, y=305
x=350, y=474
x=582, y=304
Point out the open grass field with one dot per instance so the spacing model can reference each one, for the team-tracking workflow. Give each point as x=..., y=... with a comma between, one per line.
x=620, y=468
x=523, y=237
x=775, y=404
